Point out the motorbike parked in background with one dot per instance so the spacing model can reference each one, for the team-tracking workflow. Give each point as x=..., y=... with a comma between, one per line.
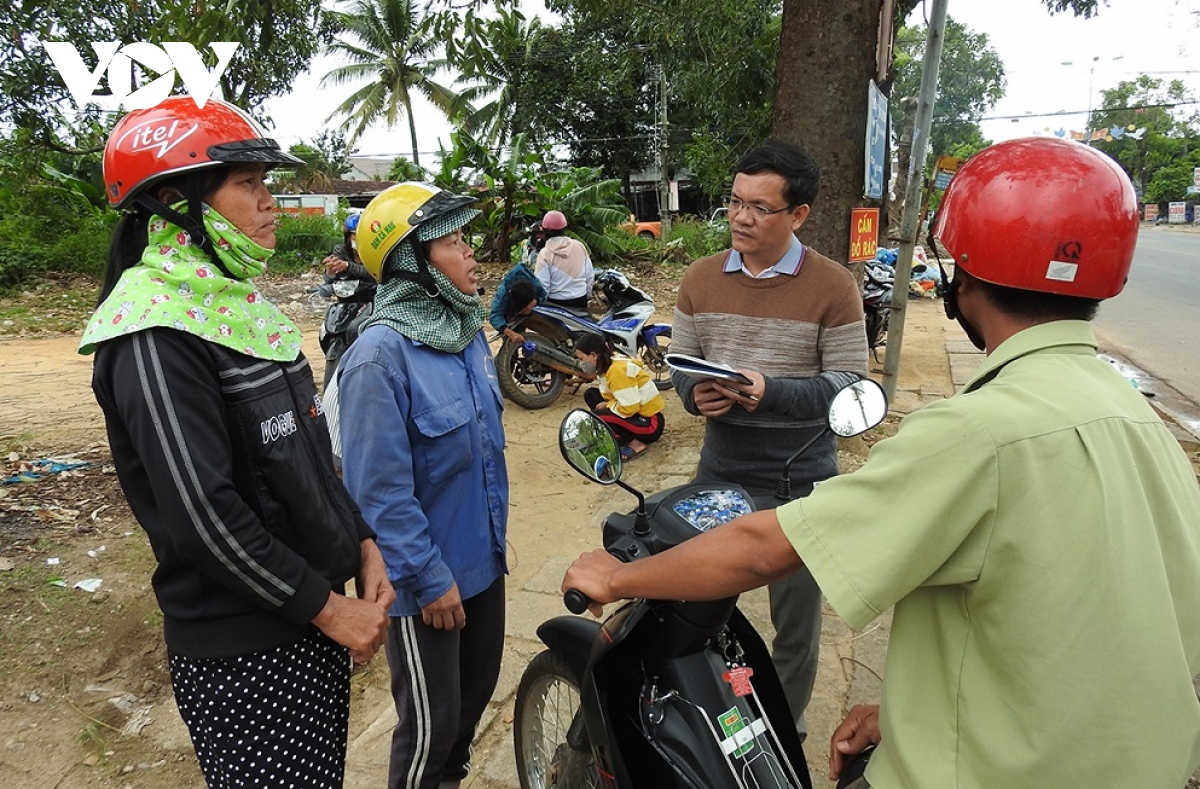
x=878, y=282
x=352, y=302
x=663, y=694
x=533, y=373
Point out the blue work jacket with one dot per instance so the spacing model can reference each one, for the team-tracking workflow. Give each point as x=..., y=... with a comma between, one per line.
x=423, y=456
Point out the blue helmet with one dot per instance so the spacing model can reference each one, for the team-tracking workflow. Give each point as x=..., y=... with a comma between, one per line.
x=352, y=222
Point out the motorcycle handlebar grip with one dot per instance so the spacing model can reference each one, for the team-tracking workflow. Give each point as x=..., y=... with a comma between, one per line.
x=576, y=601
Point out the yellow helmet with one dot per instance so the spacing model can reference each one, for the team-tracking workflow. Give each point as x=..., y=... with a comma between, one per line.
x=393, y=215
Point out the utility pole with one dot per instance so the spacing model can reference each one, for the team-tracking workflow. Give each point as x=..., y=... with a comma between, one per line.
x=664, y=181
x=912, y=193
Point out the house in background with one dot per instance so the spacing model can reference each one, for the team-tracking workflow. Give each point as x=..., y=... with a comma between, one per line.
x=357, y=188
x=367, y=168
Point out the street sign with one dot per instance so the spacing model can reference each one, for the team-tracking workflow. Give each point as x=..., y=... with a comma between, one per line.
x=876, y=143
x=944, y=169
x=864, y=233
x=1196, y=177
x=1151, y=212
x=1176, y=213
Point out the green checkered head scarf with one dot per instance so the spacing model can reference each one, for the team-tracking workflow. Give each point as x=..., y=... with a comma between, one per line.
x=445, y=318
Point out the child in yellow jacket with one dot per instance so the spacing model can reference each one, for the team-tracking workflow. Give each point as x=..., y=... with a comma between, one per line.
x=627, y=399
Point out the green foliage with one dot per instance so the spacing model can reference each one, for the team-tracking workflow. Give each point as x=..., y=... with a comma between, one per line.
x=1157, y=159
x=718, y=57
x=325, y=160
x=711, y=158
x=389, y=43
x=970, y=82
x=405, y=170
x=698, y=237
x=495, y=58
x=278, y=40
x=57, y=240
x=53, y=216
x=1170, y=182
x=518, y=187
x=1084, y=8
x=691, y=238
x=302, y=240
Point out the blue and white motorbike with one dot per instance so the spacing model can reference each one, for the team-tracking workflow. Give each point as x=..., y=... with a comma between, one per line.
x=532, y=374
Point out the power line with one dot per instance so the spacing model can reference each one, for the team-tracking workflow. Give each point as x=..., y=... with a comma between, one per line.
x=1084, y=112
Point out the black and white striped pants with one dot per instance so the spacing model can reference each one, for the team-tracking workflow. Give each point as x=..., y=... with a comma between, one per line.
x=275, y=718
x=441, y=683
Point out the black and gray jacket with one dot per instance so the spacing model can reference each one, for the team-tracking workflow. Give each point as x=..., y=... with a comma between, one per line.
x=226, y=463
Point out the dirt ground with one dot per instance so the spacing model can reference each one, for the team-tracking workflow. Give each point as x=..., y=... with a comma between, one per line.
x=83, y=681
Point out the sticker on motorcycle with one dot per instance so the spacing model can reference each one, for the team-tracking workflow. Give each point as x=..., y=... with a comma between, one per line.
x=739, y=733
x=739, y=678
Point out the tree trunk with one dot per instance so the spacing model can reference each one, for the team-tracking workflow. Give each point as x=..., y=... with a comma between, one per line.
x=826, y=59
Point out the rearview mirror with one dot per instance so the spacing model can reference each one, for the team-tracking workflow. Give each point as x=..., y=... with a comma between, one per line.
x=590, y=447
x=857, y=408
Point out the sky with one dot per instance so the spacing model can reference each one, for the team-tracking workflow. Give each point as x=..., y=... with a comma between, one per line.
x=1048, y=61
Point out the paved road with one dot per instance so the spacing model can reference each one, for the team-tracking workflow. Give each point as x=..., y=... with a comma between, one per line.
x=1155, y=322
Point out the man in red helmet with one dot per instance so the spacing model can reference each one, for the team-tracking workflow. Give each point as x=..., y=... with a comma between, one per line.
x=1047, y=591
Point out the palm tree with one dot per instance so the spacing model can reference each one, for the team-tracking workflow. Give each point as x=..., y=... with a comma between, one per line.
x=393, y=46
x=498, y=58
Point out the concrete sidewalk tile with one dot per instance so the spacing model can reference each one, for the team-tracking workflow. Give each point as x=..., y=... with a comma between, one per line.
x=499, y=769
x=527, y=611
x=548, y=579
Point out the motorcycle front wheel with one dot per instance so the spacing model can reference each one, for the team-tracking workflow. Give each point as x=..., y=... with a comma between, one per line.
x=551, y=747
x=528, y=383
x=655, y=361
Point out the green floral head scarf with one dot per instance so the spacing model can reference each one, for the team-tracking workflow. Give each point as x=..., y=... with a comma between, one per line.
x=176, y=286
x=448, y=321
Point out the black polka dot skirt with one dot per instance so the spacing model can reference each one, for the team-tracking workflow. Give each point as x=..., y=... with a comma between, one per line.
x=276, y=718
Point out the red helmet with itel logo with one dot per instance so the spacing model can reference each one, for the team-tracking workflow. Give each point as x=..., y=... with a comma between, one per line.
x=1042, y=214
x=175, y=136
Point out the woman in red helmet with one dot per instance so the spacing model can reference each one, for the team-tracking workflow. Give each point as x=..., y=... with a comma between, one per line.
x=219, y=441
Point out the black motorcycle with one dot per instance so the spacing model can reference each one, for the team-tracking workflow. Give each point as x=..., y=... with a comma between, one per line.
x=352, y=302
x=663, y=694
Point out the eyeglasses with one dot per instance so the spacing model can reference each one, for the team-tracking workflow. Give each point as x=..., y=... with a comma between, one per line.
x=735, y=204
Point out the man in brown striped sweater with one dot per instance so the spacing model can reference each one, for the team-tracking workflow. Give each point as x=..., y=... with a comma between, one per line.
x=791, y=320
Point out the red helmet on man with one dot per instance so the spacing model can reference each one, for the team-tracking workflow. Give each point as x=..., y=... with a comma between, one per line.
x=1042, y=214
x=175, y=136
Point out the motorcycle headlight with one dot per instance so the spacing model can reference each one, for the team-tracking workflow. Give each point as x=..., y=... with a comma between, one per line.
x=344, y=288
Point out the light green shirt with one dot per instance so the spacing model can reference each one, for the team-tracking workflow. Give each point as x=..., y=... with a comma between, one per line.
x=1039, y=537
